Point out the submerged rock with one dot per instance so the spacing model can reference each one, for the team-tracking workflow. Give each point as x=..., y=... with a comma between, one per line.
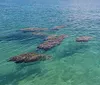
x=51, y=42
x=51, y=37
x=83, y=39
x=39, y=34
x=58, y=27
x=34, y=29
x=28, y=57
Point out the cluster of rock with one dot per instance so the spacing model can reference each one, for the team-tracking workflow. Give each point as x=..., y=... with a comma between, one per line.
x=29, y=57
x=41, y=29
x=51, y=42
x=36, y=31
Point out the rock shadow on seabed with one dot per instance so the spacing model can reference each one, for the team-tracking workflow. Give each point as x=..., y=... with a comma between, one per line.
x=71, y=49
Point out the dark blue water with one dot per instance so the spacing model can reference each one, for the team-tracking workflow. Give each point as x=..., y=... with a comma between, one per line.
x=72, y=63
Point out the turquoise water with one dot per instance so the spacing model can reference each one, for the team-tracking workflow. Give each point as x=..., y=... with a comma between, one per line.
x=72, y=63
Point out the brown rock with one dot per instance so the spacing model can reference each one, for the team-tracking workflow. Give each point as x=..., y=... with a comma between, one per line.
x=39, y=34
x=51, y=37
x=58, y=27
x=83, y=39
x=34, y=29
x=28, y=57
x=51, y=42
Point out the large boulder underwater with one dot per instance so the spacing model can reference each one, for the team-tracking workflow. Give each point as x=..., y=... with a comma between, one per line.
x=29, y=57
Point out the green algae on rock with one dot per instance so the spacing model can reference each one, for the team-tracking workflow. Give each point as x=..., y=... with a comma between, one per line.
x=29, y=57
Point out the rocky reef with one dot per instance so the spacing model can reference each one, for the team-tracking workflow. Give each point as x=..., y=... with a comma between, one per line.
x=51, y=42
x=29, y=57
x=83, y=39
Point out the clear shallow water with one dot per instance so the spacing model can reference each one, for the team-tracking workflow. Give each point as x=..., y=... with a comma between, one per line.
x=72, y=63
